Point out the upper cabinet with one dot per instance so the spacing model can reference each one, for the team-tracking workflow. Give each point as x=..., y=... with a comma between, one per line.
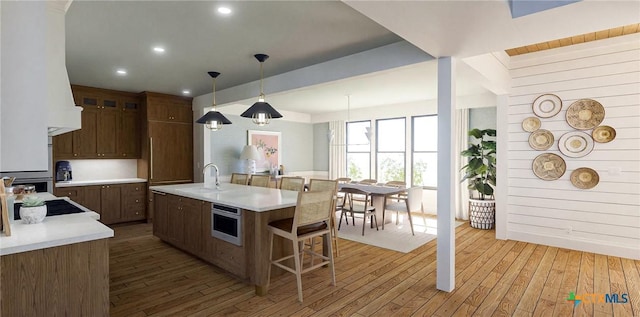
x=168, y=108
x=110, y=126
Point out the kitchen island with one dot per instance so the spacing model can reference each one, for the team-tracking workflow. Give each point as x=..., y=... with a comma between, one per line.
x=183, y=218
x=57, y=267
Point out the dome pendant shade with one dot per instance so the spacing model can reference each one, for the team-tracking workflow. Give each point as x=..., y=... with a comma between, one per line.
x=261, y=112
x=213, y=120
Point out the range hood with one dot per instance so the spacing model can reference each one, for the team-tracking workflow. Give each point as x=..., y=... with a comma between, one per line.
x=62, y=113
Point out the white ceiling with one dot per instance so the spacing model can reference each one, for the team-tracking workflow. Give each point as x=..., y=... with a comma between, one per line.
x=102, y=36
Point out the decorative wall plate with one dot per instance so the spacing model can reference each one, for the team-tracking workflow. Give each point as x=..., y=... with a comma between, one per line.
x=575, y=144
x=585, y=114
x=603, y=134
x=547, y=106
x=531, y=124
x=541, y=139
x=549, y=166
x=584, y=178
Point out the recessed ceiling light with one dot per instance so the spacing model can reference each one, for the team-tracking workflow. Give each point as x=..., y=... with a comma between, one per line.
x=121, y=72
x=158, y=49
x=186, y=92
x=224, y=10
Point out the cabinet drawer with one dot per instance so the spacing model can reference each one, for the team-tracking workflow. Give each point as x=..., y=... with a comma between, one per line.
x=71, y=192
x=131, y=200
x=132, y=189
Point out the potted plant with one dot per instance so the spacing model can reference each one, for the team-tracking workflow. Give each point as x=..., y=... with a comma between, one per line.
x=33, y=210
x=480, y=171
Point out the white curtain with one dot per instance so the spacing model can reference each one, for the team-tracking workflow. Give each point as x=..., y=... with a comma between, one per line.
x=337, y=149
x=462, y=141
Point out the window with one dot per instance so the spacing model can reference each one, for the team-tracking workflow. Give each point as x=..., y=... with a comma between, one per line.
x=391, y=149
x=358, y=150
x=425, y=151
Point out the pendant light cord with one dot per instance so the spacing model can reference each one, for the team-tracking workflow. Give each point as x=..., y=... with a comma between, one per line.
x=261, y=76
x=214, y=94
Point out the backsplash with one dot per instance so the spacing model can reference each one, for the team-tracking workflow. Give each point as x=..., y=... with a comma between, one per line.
x=87, y=170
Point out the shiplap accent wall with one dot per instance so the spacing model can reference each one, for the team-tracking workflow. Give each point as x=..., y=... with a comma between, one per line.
x=606, y=218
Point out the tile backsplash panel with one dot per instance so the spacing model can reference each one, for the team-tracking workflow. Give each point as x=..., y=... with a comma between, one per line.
x=88, y=170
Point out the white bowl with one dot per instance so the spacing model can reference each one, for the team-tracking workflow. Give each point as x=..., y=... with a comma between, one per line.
x=33, y=214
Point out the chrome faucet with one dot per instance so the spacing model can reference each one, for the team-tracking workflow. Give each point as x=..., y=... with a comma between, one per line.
x=204, y=169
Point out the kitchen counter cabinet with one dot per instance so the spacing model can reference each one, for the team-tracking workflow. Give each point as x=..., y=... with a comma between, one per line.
x=248, y=262
x=133, y=202
x=68, y=280
x=110, y=203
x=116, y=203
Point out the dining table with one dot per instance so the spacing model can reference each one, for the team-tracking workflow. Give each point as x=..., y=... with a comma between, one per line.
x=378, y=193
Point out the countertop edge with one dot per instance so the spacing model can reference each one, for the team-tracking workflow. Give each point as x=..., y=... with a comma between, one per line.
x=184, y=193
x=57, y=243
x=100, y=182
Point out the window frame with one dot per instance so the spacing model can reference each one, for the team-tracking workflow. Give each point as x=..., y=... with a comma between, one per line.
x=347, y=152
x=404, y=152
x=413, y=146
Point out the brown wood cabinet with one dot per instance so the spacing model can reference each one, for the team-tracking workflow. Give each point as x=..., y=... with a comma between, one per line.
x=68, y=280
x=116, y=203
x=133, y=202
x=171, y=152
x=167, y=142
x=186, y=224
x=168, y=108
x=110, y=126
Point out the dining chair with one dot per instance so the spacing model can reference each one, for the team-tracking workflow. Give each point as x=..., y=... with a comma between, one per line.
x=260, y=180
x=330, y=185
x=366, y=210
x=292, y=183
x=360, y=198
x=398, y=184
x=311, y=219
x=240, y=179
x=340, y=195
x=413, y=202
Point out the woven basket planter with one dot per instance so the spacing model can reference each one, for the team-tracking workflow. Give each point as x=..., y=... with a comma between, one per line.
x=482, y=213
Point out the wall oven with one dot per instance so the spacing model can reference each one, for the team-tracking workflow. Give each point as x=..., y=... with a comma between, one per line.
x=42, y=180
x=226, y=223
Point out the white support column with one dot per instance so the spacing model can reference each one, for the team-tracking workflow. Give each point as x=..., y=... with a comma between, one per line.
x=446, y=260
x=502, y=143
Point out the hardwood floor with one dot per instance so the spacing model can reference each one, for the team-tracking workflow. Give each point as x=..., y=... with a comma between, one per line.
x=493, y=278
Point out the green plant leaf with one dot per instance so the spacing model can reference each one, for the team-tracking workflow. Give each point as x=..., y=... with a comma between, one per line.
x=476, y=133
x=489, y=132
x=475, y=163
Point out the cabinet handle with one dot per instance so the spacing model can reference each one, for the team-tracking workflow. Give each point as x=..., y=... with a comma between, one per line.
x=151, y=155
x=137, y=200
x=75, y=154
x=137, y=213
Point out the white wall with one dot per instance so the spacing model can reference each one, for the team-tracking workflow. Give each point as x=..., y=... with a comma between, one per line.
x=606, y=218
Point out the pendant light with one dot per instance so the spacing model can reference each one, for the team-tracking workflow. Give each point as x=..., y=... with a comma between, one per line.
x=261, y=112
x=213, y=119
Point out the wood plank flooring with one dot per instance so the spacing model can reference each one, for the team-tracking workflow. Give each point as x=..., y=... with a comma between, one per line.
x=493, y=278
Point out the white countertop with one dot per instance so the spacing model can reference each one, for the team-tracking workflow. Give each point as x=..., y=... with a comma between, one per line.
x=100, y=182
x=54, y=231
x=246, y=197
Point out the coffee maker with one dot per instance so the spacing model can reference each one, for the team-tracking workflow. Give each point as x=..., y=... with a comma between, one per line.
x=63, y=171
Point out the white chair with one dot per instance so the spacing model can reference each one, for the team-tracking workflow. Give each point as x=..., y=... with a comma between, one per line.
x=413, y=202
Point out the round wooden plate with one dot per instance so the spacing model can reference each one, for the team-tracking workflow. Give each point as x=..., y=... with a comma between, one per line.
x=549, y=166
x=584, y=178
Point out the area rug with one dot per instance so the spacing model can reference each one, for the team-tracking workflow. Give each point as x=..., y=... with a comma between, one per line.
x=397, y=238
